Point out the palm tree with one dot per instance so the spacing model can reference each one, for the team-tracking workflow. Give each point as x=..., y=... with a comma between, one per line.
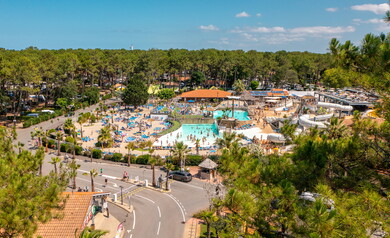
x=59, y=138
x=92, y=173
x=73, y=167
x=81, y=120
x=153, y=161
x=112, y=116
x=179, y=152
x=54, y=161
x=47, y=134
x=169, y=167
x=39, y=134
x=105, y=138
x=130, y=147
x=238, y=86
x=89, y=233
x=197, y=144
x=68, y=126
x=227, y=140
x=208, y=217
x=20, y=146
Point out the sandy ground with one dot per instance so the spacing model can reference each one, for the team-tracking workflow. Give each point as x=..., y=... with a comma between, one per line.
x=150, y=126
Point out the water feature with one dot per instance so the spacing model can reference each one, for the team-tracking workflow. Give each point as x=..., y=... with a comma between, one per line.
x=238, y=114
x=188, y=133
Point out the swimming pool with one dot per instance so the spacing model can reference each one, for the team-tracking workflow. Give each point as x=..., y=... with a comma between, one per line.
x=238, y=114
x=188, y=133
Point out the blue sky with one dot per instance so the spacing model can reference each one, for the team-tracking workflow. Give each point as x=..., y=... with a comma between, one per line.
x=263, y=25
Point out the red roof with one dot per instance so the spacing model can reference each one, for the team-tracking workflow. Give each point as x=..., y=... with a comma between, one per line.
x=71, y=219
x=206, y=93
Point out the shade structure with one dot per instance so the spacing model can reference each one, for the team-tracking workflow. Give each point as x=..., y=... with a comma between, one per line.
x=190, y=101
x=208, y=164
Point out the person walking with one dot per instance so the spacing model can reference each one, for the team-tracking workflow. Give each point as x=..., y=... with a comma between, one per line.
x=101, y=171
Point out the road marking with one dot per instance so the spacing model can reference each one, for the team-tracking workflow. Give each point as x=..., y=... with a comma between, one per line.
x=99, y=190
x=95, y=183
x=186, y=184
x=103, y=175
x=158, y=229
x=128, y=231
x=131, y=235
x=145, y=198
x=179, y=202
x=181, y=209
x=134, y=219
x=159, y=211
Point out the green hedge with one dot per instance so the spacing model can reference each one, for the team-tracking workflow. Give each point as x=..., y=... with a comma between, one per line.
x=29, y=121
x=64, y=147
x=194, y=160
x=176, y=125
x=96, y=153
x=142, y=159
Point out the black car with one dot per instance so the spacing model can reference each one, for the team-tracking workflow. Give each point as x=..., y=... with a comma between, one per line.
x=180, y=175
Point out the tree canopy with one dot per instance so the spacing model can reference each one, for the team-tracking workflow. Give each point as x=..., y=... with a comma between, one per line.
x=26, y=198
x=136, y=92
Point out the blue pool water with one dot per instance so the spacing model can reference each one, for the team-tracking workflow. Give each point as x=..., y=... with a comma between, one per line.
x=188, y=133
x=200, y=130
x=238, y=114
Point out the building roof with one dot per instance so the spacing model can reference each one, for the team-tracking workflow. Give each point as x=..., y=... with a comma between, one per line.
x=205, y=93
x=72, y=217
x=208, y=164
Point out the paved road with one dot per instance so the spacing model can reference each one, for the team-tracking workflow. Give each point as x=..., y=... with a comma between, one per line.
x=155, y=214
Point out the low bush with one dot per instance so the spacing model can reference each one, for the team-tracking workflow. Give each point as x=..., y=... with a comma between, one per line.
x=79, y=150
x=64, y=147
x=107, y=157
x=87, y=153
x=142, y=159
x=193, y=160
x=96, y=153
x=69, y=139
x=117, y=157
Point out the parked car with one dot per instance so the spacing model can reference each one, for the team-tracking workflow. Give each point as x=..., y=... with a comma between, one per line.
x=181, y=176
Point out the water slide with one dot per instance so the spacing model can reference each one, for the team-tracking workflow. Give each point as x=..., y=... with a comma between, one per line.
x=323, y=117
x=305, y=121
x=276, y=138
x=279, y=109
x=335, y=106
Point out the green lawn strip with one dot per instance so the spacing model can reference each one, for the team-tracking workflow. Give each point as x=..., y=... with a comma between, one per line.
x=176, y=125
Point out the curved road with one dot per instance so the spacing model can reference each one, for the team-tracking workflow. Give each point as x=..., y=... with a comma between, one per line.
x=156, y=214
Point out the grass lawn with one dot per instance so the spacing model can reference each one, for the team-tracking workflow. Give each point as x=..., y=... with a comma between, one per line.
x=174, y=127
x=203, y=231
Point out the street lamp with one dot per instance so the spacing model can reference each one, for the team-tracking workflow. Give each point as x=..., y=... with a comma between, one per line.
x=121, y=194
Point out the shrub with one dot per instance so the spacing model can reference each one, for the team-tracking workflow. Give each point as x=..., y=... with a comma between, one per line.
x=69, y=139
x=107, y=157
x=96, y=153
x=194, y=160
x=117, y=157
x=98, y=144
x=142, y=159
x=64, y=147
x=79, y=150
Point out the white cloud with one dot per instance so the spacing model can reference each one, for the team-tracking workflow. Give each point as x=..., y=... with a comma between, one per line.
x=332, y=9
x=258, y=14
x=242, y=14
x=380, y=24
x=375, y=8
x=209, y=28
x=280, y=35
x=266, y=29
x=322, y=30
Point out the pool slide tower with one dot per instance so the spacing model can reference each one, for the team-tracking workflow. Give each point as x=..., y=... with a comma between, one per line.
x=306, y=122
